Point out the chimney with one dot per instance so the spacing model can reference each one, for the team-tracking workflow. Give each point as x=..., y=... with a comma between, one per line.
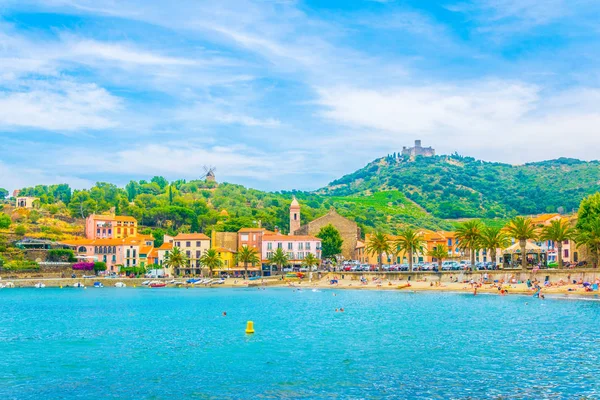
x=417, y=143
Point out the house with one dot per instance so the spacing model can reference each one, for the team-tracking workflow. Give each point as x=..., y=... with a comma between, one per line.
x=251, y=237
x=126, y=252
x=297, y=247
x=193, y=245
x=25, y=202
x=110, y=226
x=227, y=258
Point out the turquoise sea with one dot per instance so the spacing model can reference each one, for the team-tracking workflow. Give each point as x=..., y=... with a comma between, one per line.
x=175, y=343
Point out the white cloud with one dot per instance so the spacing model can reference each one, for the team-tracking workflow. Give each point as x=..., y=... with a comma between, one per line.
x=181, y=159
x=498, y=121
x=58, y=106
x=16, y=177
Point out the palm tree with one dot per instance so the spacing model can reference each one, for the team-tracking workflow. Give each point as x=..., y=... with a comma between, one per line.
x=247, y=255
x=492, y=239
x=176, y=259
x=379, y=244
x=310, y=261
x=211, y=260
x=558, y=231
x=410, y=241
x=439, y=252
x=279, y=258
x=522, y=229
x=468, y=235
x=589, y=236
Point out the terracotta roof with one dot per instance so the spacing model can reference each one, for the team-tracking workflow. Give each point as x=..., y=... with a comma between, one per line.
x=153, y=253
x=252, y=230
x=124, y=218
x=166, y=246
x=191, y=236
x=224, y=213
x=104, y=242
x=146, y=249
x=287, y=238
x=224, y=250
x=359, y=244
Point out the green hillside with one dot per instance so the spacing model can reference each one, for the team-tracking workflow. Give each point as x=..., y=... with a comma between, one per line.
x=462, y=187
x=386, y=194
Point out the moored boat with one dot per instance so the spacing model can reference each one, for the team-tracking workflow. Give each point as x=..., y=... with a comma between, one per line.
x=157, y=284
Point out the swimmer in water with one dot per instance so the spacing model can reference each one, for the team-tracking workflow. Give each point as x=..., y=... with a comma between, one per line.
x=224, y=313
x=341, y=310
x=336, y=310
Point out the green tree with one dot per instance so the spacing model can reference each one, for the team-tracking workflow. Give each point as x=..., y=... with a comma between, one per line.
x=310, y=261
x=99, y=266
x=378, y=244
x=248, y=255
x=493, y=238
x=176, y=259
x=522, y=229
x=589, y=236
x=211, y=260
x=440, y=253
x=279, y=258
x=82, y=205
x=410, y=241
x=3, y=193
x=4, y=221
x=589, y=210
x=331, y=241
x=468, y=235
x=558, y=231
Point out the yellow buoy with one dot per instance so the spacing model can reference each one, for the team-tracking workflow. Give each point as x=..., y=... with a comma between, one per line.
x=61, y=286
x=249, y=327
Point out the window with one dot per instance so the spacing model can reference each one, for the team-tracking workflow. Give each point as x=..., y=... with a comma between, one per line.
x=187, y=253
x=300, y=246
x=128, y=253
x=244, y=237
x=307, y=245
x=290, y=246
x=81, y=249
x=198, y=254
x=118, y=231
x=280, y=245
x=295, y=217
x=566, y=251
x=97, y=231
x=198, y=244
x=131, y=231
x=269, y=254
x=566, y=241
x=114, y=258
x=254, y=237
x=110, y=231
x=134, y=253
x=177, y=244
x=290, y=255
x=270, y=246
x=449, y=242
x=188, y=244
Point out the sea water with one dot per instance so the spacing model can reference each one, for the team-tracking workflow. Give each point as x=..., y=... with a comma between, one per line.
x=175, y=343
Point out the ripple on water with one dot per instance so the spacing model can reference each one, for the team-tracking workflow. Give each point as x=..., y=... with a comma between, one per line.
x=175, y=344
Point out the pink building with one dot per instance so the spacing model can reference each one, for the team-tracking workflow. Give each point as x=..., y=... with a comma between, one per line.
x=296, y=247
x=128, y=252
x=110, y=226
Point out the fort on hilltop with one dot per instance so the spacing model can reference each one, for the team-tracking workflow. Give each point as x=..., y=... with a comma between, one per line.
x=418, y=150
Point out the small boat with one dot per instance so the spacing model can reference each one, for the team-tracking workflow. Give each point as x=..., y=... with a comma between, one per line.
x=78, y=284
x=219, y=282
x=120, y=284
x=146, y=283
x=39, y=285
x=176, y=283
x=157, y=284
x=193, y=280
x=98, y=284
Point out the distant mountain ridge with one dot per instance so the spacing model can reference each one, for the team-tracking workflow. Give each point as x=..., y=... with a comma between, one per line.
x=463, y=187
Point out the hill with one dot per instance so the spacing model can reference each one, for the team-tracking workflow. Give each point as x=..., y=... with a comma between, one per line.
x=463, y=187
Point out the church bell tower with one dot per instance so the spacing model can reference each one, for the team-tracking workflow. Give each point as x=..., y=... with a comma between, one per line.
x=294, y=216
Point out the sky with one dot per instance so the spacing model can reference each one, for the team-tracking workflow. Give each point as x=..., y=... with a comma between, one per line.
x=289, y=94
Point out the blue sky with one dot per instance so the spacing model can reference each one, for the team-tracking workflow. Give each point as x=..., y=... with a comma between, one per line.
x=283, y=94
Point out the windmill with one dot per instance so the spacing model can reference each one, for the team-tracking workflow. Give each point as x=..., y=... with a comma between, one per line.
x=209, y=173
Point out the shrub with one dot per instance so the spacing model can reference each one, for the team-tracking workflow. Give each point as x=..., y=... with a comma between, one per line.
x=61, y=255
x=21, y=265
x=83, y=266
x=5, y=221
x=20, y=230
